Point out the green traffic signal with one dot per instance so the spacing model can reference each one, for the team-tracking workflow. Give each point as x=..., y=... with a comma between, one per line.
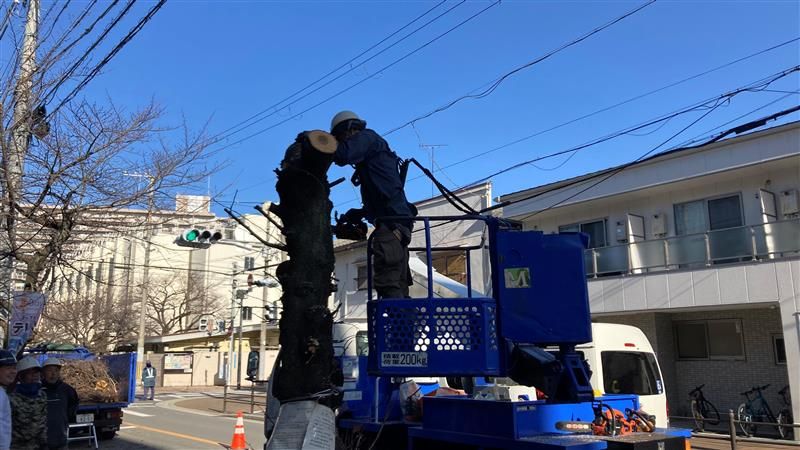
x=191, y=235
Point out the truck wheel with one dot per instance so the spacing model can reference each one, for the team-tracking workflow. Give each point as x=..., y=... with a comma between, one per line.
x=106, y=435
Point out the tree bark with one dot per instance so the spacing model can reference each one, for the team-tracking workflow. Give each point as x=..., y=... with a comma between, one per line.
x=306, y=357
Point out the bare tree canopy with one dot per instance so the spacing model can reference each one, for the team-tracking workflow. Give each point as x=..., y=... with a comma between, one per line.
x=77, y=151
x=176, y=304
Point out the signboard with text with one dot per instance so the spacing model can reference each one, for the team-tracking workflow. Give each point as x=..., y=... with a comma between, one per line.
x=178, y=361
x=25, y=313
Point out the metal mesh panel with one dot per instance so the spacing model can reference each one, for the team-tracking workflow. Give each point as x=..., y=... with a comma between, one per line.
x=456, y=335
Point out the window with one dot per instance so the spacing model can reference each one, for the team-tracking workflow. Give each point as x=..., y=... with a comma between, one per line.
x=249, y=263
x=362, y=343
x=361, y=277
x=595, y=229
x=700, y=216
x=227, y=233
x=451, y=265
x=710, y=339
x=779, y=349
x=631, y=373
x=247, y=313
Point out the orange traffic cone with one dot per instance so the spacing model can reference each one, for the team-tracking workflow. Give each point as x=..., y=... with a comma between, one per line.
x=238, y=442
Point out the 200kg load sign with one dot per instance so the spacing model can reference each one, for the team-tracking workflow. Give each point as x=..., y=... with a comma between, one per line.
x=404, y=359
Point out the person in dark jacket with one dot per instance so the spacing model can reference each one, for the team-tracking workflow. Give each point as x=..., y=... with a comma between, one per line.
x=377, y=172
x=149, y=380
x=62, y=404
x=28, y=407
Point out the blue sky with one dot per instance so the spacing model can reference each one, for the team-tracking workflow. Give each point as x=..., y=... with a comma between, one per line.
x=221, y=62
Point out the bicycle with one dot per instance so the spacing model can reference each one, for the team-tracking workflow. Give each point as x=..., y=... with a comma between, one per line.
x=755, y=409
x=785, y=416
x=703, y=411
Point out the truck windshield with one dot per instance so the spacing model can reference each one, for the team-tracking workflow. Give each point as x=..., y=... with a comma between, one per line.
x=362, y=344
x=631, y=373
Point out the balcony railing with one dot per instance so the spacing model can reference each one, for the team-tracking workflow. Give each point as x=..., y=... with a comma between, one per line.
x=748, y=243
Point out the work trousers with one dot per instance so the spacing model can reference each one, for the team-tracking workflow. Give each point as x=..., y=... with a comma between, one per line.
x=152, y=391
x=390, y=249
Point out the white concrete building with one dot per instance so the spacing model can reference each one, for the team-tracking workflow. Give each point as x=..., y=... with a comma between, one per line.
x=111, y=267
x=699, y=248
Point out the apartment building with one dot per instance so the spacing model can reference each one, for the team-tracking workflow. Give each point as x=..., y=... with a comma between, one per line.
x=700, y=248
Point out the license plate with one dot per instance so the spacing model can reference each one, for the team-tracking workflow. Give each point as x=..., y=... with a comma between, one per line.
x=85, y=418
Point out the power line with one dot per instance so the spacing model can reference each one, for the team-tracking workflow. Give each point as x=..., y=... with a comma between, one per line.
x=614, y=171
x=717, y=101
x=602, y=110
x=68, y=73
x=494, y=85
x=7, y=18
x=695, y=106
x=747, y=126
x=390, y=65
x=125, y=40
x=707, y=134
x=626, y=165
x=224, y=134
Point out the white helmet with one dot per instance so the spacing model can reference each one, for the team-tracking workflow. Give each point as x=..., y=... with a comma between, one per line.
x=341, y=117
x=53, y=362
x=28, y=362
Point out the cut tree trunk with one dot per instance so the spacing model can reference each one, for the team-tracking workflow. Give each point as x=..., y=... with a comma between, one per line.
x=306, y=363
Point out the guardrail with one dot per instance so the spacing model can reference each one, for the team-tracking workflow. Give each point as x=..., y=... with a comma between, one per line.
x=248, y=398
x=732, y=422
x=747, y=243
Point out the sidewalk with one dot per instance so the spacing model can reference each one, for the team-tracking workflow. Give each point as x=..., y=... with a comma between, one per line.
x=215, y=405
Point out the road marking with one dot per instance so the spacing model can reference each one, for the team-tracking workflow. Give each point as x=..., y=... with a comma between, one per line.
x=138, y=414
x=127, y=427
x=177, y=435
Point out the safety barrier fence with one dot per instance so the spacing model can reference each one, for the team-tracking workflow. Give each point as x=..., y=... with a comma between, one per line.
x=253, y=397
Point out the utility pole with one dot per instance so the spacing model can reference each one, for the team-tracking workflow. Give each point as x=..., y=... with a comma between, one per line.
x=146, y=270
x=229, y=378
x=21, y=134
x=262, y=348
x=239, y=352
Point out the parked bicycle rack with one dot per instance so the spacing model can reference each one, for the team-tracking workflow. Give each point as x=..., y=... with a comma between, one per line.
x=732, y=422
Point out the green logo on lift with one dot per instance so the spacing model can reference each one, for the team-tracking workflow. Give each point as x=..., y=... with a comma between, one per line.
x=517, y=277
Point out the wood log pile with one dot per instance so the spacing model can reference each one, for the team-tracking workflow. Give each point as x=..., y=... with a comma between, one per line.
x=91, y=379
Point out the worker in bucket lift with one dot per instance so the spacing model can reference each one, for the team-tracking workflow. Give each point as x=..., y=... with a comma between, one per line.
x=378, y=173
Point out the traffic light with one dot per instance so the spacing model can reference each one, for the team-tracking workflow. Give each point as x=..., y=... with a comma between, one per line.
x=252, y=365
x=197, y=238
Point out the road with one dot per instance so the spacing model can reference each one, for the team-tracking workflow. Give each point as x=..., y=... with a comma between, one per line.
x=159, y=427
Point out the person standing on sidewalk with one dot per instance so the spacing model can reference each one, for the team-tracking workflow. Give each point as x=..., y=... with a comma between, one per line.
x=149, y=380
x=28, y=407
x=8, y=373
x=62, y=404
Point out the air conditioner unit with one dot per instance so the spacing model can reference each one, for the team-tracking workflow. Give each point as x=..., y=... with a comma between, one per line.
x=658, y=225
x=789, y=203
